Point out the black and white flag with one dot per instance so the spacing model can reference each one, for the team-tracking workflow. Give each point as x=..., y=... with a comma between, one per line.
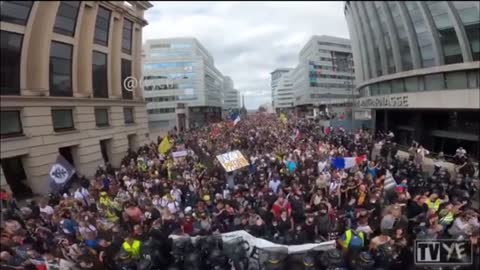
x=60, y=173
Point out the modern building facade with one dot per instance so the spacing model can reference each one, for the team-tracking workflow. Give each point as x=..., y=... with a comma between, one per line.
x=181, y=70
x=324, y=74
x=62, y=68
x=231, y=96
x=417, y=69
x=282, y=89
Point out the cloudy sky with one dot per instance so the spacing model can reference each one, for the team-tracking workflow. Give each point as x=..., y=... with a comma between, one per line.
x=248, y=40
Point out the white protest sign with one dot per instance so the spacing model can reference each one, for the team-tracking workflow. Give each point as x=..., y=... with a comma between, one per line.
x=232, y=161
x=180, y=154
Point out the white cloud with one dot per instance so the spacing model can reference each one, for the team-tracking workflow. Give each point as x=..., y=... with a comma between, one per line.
x=248, y=40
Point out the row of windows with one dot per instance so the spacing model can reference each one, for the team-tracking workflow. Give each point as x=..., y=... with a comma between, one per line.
x=60, y=67
x=187, y=66
x=333, y=44
x=161, y=99
x=431, y=82
x=328, y=96
x=231, y=101
x=18, y=12
x=329, y=76
x=156, y=53
x=161, y=111
x=62, y=119
x=329, y=85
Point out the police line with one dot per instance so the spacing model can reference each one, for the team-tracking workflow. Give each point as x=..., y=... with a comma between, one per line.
x=260, y=243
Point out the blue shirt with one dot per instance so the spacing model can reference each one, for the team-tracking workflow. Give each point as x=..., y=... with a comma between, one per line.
x=273, y=185
x=291, y=166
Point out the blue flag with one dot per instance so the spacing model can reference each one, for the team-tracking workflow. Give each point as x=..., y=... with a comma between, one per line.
x=60, y=173
x=234, y=116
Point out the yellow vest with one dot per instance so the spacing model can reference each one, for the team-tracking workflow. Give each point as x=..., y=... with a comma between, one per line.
x=133, y=250
x=104, y=200
x=435, y=205
x=348, y=238
x=448, y=218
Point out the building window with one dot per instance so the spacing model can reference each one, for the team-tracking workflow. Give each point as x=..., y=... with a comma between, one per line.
x=402, y=35
x=126, y=72
x=388, y=45
x=398, y=86
x=15, y=11
x=11, y=124
x=434, y=82
x=128, y=115
x=102, y=26
x=127, y=36
x=424, y=37
x=446, y=31
x=456, y=80
x=385, y=88
x=161, y=111
x=101, y=117
x=470, y=16
x=412, y=84
x=60, y=69
x=99, y=78
x=10, y=55
x=62, y=119
x=67, y=18
x=473, y=79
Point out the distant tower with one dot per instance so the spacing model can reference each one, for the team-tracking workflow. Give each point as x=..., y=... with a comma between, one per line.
x=243, y=110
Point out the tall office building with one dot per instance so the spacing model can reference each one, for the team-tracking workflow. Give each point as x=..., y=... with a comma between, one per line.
x=62, y=68
x=181, y=70
x=417, y=69
x=282, y=89
x=231, y=96
x=324, y=74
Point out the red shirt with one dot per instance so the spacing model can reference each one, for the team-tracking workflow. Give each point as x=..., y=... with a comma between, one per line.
x=187, y=227
x=277, y=209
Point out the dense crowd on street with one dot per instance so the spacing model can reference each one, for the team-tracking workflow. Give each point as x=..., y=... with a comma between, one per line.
x=290, y=194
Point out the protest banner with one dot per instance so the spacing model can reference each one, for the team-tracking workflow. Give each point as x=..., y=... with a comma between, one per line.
x=232, y=161
x=180, y=154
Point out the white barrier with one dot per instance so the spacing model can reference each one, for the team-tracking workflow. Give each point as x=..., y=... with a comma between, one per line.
x=262, y=243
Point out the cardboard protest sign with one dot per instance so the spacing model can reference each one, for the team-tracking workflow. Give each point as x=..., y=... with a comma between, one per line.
x=232, y=161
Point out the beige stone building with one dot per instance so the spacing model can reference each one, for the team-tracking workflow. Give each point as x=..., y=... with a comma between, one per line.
x=62, y=68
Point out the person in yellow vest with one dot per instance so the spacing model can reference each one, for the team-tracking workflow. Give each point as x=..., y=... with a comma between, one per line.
x=447, y=215
x=352, y=241
x=132, y=247
x=434, y=201
x=104, y=199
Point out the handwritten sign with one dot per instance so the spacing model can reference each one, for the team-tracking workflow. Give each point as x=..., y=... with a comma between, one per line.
x=232, y=161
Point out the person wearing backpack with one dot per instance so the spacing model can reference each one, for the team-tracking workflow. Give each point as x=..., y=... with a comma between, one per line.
x=352, y=241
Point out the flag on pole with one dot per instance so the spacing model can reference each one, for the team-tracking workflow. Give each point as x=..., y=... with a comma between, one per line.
x=235, y=117
x=60, y=173
x=164, y=146
x=235, y=122
x=347, y=162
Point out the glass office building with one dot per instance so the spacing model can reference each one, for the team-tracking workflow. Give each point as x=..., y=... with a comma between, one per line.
x=417, y=69
x=180, y=70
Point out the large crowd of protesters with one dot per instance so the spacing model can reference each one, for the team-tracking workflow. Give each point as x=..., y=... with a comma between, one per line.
x=289, y=194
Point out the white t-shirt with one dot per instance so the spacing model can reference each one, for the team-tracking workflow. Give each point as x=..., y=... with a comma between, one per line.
x=47, y=210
